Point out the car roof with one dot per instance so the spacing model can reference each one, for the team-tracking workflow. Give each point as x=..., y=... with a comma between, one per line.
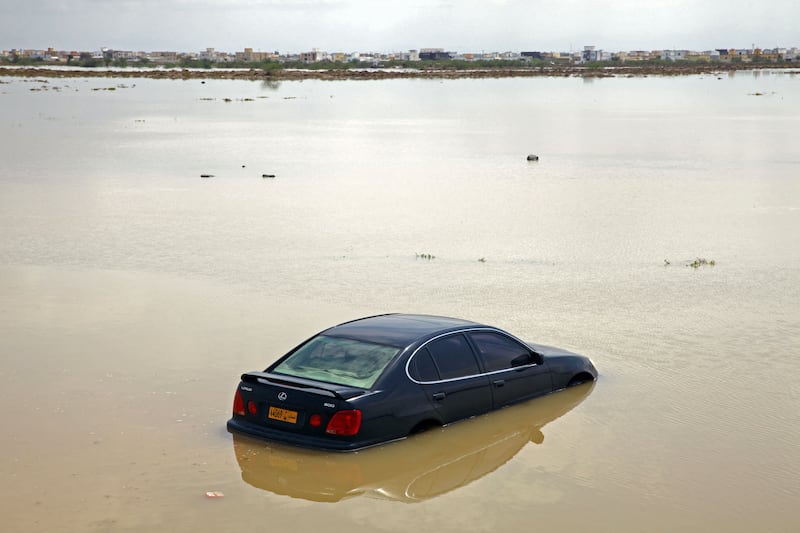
x=397, y=329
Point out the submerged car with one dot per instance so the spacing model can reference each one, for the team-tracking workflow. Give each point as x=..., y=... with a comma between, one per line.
x=425, y=467
x=384, y=377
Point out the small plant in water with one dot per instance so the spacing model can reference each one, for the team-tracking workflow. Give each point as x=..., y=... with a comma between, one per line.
x=697, y=263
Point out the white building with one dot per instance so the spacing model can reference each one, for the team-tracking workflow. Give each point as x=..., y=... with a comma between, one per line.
x=674, y=55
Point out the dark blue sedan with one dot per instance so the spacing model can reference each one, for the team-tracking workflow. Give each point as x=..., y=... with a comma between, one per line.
x=385, y=377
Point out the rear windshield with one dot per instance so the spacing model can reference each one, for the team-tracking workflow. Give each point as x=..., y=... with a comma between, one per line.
x=336, y=360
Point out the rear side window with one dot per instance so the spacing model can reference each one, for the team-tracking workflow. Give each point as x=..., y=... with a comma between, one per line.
x=422, y=367
x=453, y=357
x=496, y=350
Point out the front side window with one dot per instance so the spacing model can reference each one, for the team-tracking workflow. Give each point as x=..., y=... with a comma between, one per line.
x=497, y=351
x=337, y=360
x=453, y=357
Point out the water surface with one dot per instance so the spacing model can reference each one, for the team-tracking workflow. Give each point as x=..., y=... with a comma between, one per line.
x=135, y=292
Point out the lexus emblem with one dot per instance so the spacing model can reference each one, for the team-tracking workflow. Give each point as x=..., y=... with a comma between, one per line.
x=282, y=396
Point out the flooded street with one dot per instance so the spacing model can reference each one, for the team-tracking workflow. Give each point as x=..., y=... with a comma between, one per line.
x=134, y=293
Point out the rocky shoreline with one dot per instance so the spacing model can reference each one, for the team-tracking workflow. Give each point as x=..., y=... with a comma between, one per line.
x=392, y=73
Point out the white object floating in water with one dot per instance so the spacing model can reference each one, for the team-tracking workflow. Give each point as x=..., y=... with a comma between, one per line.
x=214, y=494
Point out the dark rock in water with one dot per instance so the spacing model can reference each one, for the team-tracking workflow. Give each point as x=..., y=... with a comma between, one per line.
x=267, y=175
x=533, y=157
x=206, y=175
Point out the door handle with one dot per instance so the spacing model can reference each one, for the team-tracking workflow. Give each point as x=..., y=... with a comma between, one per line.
x=499, y=383
x=439, y=396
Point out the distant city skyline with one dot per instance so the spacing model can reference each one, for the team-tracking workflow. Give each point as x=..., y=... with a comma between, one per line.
x=586, y=53
x=380, y=26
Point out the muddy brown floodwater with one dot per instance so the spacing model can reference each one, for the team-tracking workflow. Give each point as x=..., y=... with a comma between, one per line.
x=134, y=293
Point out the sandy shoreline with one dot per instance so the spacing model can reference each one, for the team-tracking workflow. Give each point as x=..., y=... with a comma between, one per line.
x=382, y=74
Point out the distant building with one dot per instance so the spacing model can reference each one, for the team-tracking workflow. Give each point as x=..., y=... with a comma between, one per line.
x=434, y=54
x=311, y=57
x=213, y=55
x=590, y=54
x=674, y=55
x=249, y=55
x=532, y=55
x=164, y=57
x=125, y=54
x=509, y=56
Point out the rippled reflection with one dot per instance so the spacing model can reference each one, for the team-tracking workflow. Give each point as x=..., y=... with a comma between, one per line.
x=419, y=468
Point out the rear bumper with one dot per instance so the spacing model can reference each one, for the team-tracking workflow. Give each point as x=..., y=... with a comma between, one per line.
x=238, y=425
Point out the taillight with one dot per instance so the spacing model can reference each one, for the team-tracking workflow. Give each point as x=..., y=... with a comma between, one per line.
x=238, y=403
x=345, y=423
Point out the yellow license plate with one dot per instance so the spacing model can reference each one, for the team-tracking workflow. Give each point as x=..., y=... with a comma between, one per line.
x=284, y=415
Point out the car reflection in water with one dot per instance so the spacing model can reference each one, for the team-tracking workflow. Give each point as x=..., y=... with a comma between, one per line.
x=421, y=467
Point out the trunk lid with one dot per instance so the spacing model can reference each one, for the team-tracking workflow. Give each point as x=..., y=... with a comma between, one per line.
x=292, y=404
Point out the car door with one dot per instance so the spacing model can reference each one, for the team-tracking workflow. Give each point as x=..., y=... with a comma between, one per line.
x=514, y=371
x=461, y=390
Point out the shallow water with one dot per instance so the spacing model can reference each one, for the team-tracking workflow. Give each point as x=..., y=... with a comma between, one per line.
x=135, y=292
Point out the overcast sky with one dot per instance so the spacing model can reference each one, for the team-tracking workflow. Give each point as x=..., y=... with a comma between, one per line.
x=397, y=25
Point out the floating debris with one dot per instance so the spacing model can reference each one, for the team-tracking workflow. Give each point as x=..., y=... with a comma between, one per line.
x=482, y=260
x=206, y=175
x=227, y=100
x=696, y=263
x=426, y=256
x=533, y=157
x=267, y=175
x=214, y=494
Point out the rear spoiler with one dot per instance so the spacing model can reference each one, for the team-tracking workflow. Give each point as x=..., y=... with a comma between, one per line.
x=334, y=391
